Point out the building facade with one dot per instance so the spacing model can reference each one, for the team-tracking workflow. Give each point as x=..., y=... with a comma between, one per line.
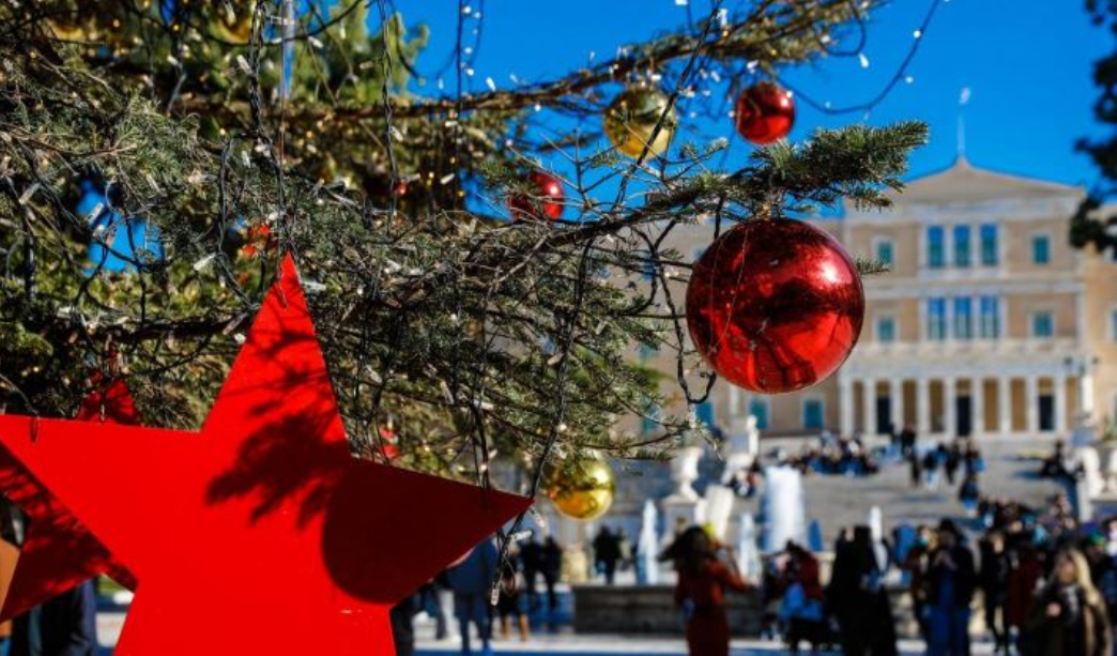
x=989, y=322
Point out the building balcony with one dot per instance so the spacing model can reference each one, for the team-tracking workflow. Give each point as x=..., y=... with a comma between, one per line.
x=1008, y=348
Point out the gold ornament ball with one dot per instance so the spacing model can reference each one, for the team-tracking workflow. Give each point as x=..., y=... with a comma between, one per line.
x=631, y=119
x=582, y=490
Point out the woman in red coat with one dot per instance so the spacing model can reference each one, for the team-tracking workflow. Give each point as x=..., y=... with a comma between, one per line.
x=703, y=580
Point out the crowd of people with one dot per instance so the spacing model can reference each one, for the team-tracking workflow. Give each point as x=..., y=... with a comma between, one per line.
x=1047, y=585
x=471, y=584
x=837, y=455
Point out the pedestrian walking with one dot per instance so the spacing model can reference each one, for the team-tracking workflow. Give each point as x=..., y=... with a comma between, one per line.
x=531, y=560
x=703, y=579
x=931, y=468
x=606, y=554
x=969, y=493
x=951, y=582
x=471, y=580
x=1070, y=618
x=802, y=607
x=857, y=598
x=996, y=567
x=916, y=565
x=402, y=618
x=915, y=462
x=509, y=603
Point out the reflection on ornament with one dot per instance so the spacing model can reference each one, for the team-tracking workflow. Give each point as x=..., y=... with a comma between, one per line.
x=544, y=201
x=122, y=244
x=67, y=29
x=232, y=26
x=582, y=490
x=775, y=305
x=389, y=439
x=258, y=239
x=632, y=117
x=765, y=113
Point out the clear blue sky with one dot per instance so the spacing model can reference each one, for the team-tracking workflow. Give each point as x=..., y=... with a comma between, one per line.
x=1027, y=63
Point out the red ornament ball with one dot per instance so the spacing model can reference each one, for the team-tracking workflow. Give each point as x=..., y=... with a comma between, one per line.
x=765, y=113
x=775, y=305
x=543, y=202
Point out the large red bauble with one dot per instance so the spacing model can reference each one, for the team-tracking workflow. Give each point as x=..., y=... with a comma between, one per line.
x=765, y=113
x=544, y=201
x=775, y=305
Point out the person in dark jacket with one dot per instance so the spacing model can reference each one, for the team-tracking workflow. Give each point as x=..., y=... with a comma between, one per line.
x=857, y=598
x=915, y=463
x=1069, y=618
x=531, y=558
x=402, y=617
x=907, y=441
x=606, y=553
x=64, y=626
x=550, y=566
x=996, y=567
x=951, y=582
x=952, y=459
x=472, y=580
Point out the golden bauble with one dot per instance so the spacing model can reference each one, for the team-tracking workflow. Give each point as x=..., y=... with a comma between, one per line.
x=583, y=489
x=631, y=119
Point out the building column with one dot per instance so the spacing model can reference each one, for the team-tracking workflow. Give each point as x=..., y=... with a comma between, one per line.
x=977, y=406
x=949, y=406
x=845, y=406
x=869, y=407
x=1031, y=404
x=1086, y=392
x=1060, y=391
x=1004, y=404
x=923, y=406
x=896, y=393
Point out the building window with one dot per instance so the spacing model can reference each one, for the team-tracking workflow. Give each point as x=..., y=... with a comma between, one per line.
x=936, y=257
x=990, y=317
x=1043, y=324
x=990, y=249
x=886, y=329
x=963, y=317
x=936, y=318
x=962, y=253
x=1041, y=249
x=814, y=413
x=885, y=252
x=649, y=269
x=758, y=407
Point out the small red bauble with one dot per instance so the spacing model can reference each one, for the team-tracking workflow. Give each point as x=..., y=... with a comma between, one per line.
x=775, y=305
x=765, y=113
x=544, y=201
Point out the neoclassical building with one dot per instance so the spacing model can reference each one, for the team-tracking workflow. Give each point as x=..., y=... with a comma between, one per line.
x=989, y=323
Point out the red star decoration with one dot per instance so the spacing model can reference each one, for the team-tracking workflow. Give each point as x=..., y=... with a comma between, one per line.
x=262, y=525
x=58, y=552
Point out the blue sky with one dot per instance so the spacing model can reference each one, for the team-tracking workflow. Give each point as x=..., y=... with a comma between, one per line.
x=1026, y=62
